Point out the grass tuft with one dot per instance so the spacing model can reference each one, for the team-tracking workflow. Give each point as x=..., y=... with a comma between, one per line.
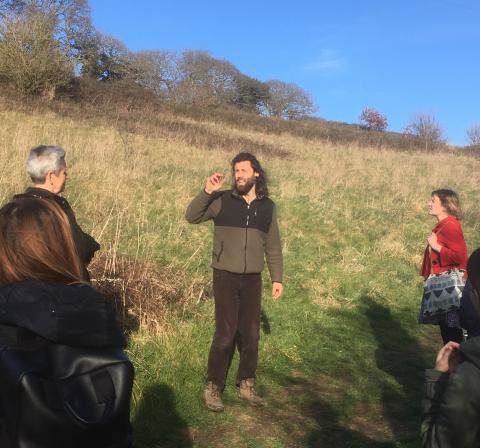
x=146, y=295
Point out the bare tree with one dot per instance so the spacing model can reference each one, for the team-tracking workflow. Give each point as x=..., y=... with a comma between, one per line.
x=287, y=100
x=108, y=59
x=30, y=56
x=205, y=79
x=72, y=20
x=473, y=134
x=373, y=119
x=156, y=70
x=250, y=94
x=426, y=127
x=10, y=7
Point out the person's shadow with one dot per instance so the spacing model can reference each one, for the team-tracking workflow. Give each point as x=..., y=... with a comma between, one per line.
x=399, y=355
x=265, y=322
x=321, y=422
x=157, y=423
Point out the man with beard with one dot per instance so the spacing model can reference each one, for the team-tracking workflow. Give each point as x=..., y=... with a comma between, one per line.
x=245, y=233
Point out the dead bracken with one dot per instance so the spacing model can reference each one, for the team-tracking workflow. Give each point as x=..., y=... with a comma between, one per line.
x=144, y=294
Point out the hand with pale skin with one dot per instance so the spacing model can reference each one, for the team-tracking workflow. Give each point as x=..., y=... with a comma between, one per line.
x=214, y=182
x=433, y=242
x=277, y=290
x=448, y=357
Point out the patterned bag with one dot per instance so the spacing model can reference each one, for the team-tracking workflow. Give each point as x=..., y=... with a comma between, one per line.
x=442, y=293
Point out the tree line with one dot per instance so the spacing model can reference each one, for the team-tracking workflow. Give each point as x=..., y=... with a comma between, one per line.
x=422, y=125
x=45, y=45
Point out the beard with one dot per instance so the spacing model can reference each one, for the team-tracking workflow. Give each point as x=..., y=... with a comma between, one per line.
x=247, y=186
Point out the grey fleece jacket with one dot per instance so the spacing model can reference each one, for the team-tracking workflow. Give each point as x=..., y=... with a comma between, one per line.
x=244, y=234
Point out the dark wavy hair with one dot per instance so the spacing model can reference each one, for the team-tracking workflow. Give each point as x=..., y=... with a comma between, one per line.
x=261, y=183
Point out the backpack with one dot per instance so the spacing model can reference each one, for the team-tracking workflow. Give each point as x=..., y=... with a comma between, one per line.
x=57, y=396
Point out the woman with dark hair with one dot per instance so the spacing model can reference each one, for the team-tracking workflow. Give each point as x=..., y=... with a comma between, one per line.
x=451, y=415
x=43, y=298
x=443, y=267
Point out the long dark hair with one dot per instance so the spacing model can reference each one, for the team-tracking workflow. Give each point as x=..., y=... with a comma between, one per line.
x=261, y=183
x=36, y=243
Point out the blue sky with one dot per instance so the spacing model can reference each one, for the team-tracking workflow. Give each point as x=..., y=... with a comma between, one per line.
x=400, y=57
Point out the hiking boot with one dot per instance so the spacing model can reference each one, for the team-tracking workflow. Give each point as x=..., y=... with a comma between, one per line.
x=212, y=398
x=247, y=392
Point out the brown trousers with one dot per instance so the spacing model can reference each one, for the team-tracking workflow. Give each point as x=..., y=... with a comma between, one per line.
x=237, y=315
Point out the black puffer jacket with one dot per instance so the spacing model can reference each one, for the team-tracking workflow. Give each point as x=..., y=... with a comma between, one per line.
x=451, y=403
x=469, y=319
x=35, y=314
x=74, y=315
x=85, y=243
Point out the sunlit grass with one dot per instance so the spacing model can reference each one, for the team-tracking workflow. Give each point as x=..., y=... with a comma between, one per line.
x=341, y=355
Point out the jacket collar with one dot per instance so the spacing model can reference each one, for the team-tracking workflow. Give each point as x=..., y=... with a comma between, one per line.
x=237, y=195
x=443, y=222
x=40, y=193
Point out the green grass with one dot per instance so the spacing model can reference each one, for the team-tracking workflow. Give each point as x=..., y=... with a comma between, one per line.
x=341, y=355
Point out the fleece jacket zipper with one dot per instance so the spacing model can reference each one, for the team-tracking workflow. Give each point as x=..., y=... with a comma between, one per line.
x=246, y=236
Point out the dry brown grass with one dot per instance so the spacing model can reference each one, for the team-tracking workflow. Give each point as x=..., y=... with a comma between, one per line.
x=146, y=295
x=353, y=221
x=130, y=190
x=132, y=109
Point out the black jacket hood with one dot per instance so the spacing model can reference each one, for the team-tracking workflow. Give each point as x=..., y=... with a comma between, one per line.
x=75, y=314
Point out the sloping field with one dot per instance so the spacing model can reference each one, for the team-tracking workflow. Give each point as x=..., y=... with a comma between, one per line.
x=341, y=356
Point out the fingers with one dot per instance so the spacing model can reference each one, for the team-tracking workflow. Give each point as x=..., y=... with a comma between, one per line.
x=448, y=348
x=214, y=182
x=277, y=290
x=217, y=177
x=448, y=357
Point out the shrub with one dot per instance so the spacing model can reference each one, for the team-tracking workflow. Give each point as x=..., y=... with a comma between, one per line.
x=373, y=119
x=144, y=295
x=427, y=129
x=473, y=134
x=31, y=58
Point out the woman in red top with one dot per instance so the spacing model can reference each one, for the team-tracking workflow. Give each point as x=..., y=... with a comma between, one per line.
x=446, y=250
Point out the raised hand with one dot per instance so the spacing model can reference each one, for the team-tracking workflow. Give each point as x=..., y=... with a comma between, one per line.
x=214, y=182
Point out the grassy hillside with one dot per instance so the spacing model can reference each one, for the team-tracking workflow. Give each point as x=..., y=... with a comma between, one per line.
x=341, y=355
